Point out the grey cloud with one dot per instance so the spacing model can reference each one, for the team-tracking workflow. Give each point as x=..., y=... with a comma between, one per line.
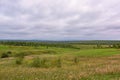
x=59, y=19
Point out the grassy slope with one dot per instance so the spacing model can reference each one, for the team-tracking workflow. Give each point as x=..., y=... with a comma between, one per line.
x=103, y=62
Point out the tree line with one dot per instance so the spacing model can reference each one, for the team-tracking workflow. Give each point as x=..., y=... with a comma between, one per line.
x=62, y=44
x=37, y=44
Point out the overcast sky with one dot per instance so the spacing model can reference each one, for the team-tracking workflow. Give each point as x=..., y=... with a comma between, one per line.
x=60, y=19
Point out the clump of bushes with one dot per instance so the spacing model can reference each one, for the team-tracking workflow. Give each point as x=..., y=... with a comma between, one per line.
x=37, y=62
x=6, y=54
x=9, y=52
x=43, y=63
x=19, y=58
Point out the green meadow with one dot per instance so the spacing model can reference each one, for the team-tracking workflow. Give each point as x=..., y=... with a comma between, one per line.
x=57, y=63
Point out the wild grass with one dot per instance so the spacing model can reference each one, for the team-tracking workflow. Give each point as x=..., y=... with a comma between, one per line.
x=29, y=63
x=102, y=68
x=38, y=63
x=19, y=60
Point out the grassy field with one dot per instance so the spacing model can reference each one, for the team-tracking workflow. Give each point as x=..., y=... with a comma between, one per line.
x=41, y=63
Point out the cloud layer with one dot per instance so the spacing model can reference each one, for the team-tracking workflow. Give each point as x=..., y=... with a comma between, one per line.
x=59, y=19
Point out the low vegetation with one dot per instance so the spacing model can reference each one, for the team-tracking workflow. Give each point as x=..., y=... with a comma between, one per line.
x=82, y=61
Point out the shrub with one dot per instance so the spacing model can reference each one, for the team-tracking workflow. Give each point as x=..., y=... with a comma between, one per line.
x=9, y=52
x=4, y=55
x=37, y=62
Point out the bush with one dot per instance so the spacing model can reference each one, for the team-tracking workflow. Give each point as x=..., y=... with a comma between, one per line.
x=37, y=62
x=4, y=55
x=9, y=52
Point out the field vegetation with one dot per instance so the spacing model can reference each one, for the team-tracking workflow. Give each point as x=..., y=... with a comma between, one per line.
x=75, y=60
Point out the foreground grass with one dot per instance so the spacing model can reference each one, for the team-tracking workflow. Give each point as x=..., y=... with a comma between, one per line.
x=92, y=64
x=102, y=68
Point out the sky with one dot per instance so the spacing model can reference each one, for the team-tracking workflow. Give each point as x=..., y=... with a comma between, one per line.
x=60, y=19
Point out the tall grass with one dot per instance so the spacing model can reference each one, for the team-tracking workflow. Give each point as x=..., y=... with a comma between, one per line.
x=59, y=63
x=38, y=63
x=19, y=60
x=76, y=60
x=52, y=66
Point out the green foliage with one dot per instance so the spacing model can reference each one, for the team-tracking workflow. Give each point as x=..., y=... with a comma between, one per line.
x=59, y=63
x=37, y=62
x=20, y=55
x=108, y=76
x=75, y=63
x=49, y=52
x=43, y=63
x=9, y=52
x=19, y=61
x=99, y=46
x=116, y=45
x=19, y=58
x=96, y=52
x=4, y=55
x=37, y=44
x=76, y=60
